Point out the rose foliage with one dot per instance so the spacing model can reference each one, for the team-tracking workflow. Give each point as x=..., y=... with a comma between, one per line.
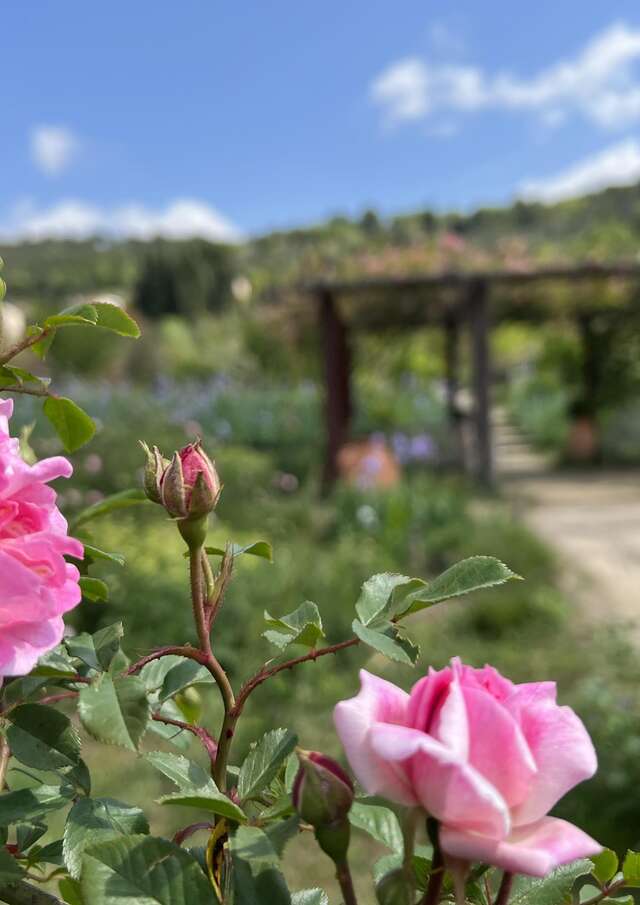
x=464, y=769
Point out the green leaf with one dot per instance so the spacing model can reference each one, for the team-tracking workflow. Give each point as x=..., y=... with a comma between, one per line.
x=555, y=889
x=185, y=773
x=23, y=689
x=471, y=574
x=631, y=868
x=72, y=424
x=93, y=589
x=70, y=891
x=121, y=500
x=207, y=799
x=375, y=596
x=143, y=870
x=42, y=346
x=263, y=762
x=93, y=820
x=386, y=640
x=184, y=674
x=256, y=877
x=114, y=318
x=281, y=832
x=78, y=315
x=91, y=553
x=10, y=870
x=259, y=548
x=379, y=822
x=115, y=711
x=55, y=663
x=24, y=805
x=310, y=897
x=605, y=865
x=303, y=626
x=197, y=789
x=13, y=376
x=97, y=650
x=43, y=738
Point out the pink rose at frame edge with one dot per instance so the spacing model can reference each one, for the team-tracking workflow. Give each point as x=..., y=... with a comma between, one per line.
x=36, y=584
x=487, y=758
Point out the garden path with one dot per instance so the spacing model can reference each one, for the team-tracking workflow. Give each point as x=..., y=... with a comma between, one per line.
x=591, y=520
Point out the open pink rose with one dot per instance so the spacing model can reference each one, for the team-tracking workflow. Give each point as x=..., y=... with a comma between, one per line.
x=487, y=758
x=36, y=584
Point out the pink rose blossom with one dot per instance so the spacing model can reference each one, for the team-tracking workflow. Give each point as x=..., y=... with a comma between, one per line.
x=36, y=584
x=487, y=758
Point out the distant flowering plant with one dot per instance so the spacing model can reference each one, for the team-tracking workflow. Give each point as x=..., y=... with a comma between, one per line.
x=36, y=584
x=473, y=762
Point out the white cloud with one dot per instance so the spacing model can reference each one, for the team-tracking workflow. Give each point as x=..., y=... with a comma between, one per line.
x=53, y=148
x=601, y=83
x=616, y=165
x=183, y=218
x=402, y=90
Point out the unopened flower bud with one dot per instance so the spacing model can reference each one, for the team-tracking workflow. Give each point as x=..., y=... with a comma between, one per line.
x=190, y=486
x=153, y=470
x=322, y=795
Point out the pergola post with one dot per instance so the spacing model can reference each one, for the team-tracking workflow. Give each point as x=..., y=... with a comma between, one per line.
x=481, y=370
x=337, y=372
x=452, y=366
x=590, y=363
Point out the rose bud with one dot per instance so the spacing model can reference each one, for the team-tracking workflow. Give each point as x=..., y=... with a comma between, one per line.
x=322, y=795
x=190, y=486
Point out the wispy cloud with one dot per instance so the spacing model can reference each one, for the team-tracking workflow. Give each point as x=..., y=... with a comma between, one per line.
x=53, y=148
x=615, y=165
x=600, y=83
x=183, y=218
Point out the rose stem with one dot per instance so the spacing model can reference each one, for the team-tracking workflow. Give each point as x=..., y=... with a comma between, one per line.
x=505, y=889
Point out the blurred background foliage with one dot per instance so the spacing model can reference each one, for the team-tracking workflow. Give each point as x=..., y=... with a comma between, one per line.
x=222, y=358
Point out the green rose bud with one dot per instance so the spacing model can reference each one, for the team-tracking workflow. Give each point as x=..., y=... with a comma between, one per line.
x=322, y=795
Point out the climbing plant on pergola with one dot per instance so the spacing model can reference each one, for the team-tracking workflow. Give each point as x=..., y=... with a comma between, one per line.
x=456, y=302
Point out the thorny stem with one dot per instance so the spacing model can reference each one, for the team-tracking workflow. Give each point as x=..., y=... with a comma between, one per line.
x=505, y=889
x=27, y=390
x=409, y=837
x=187, y=831
x=25, y=343
x=267, y=672
x=432, y=895
x=345, y=881
x=219, y=770
x=208, y=742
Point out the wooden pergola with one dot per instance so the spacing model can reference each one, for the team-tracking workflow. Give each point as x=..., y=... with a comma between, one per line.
x=454, y=302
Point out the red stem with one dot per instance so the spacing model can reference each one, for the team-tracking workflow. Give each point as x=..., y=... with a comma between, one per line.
x=266, y=673
x=505, y=889
x=208, y=742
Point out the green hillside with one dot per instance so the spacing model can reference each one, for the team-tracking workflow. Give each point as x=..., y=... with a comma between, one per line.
x=603, y=226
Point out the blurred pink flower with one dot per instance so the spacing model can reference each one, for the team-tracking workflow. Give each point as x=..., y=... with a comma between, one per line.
x=485, y=757
x=36, y=584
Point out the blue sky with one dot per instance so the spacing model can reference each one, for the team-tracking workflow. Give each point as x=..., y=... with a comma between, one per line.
x=232, y=118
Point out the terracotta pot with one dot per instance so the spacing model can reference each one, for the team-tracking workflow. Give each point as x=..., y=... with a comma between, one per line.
x=582, y=441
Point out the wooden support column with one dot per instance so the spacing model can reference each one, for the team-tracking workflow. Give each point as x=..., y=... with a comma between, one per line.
x=479, y=323
x=452, y=380
x=337, y=372
x=590, y=363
